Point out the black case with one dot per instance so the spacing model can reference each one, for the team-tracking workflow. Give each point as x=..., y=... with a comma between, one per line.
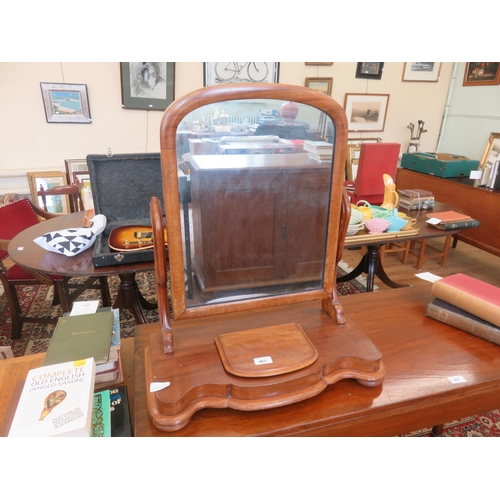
x=122, y=187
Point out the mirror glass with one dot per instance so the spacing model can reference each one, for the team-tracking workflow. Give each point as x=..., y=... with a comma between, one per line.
x=254, y=198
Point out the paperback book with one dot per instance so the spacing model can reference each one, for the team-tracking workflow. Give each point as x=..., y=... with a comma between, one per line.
x=470, y=294
x=441, y=310
x=56, y=400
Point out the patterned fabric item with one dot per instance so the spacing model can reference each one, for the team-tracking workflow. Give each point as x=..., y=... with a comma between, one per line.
x=72, y=241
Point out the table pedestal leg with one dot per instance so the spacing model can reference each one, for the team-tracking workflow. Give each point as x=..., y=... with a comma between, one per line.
x=129, y=297
x=371, y=265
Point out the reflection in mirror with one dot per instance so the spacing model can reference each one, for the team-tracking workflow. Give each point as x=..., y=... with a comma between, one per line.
x=254, y=199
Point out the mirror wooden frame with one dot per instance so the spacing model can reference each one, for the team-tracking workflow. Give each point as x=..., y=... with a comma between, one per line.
x=335, y=231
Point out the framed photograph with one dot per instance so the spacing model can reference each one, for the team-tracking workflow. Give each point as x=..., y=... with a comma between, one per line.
x=147, y=85
x=370, y=70
x=319, y=64
x=66, y=103
x=421, y=71
x=366, y=112
x=216, y=73
x=481, y=73
x=41, y=181
x=492, y=151
x=73, y=166
x=323, y=85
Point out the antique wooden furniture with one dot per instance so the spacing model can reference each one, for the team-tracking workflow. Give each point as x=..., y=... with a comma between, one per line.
x=34, y=258
x=14, y=218
x=73, y=191
x=371, y=262
x=419, y=389
x=480, y=203
x=250, y=230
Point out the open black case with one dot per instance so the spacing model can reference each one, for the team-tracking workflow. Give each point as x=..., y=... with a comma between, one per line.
x=122, y=187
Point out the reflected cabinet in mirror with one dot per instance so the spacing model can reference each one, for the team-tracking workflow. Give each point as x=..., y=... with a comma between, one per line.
x=257, y=190
x=256, y=217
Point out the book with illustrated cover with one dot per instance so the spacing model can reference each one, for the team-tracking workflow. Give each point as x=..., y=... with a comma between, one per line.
x=101, y=415
x=82, y=336
x=441, y=310
x=56, y=400
x=470, y=294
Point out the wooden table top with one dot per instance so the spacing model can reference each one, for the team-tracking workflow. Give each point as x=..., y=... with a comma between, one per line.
x=421, y=356
x=23, y=251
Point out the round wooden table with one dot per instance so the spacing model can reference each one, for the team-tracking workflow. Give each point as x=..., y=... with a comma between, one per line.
x=24, y=252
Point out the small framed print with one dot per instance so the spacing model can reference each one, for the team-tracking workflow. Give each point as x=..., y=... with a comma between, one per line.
x=481, y=73
x=216, y=73
x=366, y=112
x=147, y=85
x=370, y=70
x=323, y=85
x=319, y=64
x=42, y=181
x=66, y=103
x=421, y=71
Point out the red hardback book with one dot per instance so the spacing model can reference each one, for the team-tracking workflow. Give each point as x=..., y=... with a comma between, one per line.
x=470, y=294
x=449, y=216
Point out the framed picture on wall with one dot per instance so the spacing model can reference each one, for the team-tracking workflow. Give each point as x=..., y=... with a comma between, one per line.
x=147, y=85
x=216, y=73
x=370, y=70
x=42, y=181
x=319, y=64
x=481, y=73
x=366, y=112
x=73, y=166
x=421, y=71
x=323, y=85
x=66, y=102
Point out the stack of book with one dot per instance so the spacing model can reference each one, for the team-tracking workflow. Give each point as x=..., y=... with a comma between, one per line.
x=319, y=151
x=5, y=199
x=451, y=220
x=468, y=304
x=111, y=372
x=415, y=199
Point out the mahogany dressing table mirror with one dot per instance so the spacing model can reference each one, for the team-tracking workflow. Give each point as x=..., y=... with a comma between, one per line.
x=255, y=231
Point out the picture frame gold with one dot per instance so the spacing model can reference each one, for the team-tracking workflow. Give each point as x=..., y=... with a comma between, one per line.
x=421, y=71
x=321, y=84
x=492, y=151
x=319, y=63
x=481, y=73
x=58, y=204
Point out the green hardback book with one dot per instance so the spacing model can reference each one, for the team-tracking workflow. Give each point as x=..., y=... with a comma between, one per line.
x=80, y=337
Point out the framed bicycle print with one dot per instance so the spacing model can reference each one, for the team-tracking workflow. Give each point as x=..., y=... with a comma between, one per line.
x=216, y=73
x=147, y=85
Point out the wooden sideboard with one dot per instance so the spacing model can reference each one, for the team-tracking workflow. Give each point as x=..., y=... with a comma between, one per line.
x=258, y=219
x=480, y=203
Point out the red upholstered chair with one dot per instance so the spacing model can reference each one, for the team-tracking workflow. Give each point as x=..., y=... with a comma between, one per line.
x=375, y=160
x=14, y=218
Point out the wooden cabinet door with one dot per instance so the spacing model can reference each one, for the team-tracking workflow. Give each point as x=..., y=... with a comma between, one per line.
x=238, y=221
x=308, y=192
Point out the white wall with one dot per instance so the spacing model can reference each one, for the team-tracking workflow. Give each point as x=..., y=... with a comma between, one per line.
x=29, y=143
x=473, y=113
